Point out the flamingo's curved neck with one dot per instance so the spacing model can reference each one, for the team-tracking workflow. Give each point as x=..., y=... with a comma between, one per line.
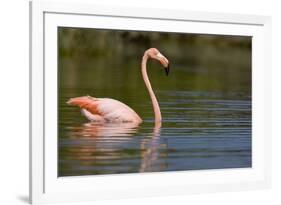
x=156, y=108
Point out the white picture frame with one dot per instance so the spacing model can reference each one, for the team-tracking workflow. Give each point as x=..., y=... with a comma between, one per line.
x=46, y=187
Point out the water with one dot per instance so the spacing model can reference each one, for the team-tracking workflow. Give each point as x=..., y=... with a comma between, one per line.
x=206, y=111
x=198, y=132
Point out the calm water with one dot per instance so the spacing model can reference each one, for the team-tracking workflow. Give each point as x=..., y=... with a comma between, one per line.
x=205, y=105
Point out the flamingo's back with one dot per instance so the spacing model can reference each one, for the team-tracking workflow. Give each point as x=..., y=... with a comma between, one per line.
x=105, y=109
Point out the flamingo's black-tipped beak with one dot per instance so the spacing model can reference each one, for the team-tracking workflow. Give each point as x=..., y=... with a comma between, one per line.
x=167, y=69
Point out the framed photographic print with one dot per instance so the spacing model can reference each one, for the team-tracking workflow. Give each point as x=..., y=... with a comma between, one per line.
x=129, y=102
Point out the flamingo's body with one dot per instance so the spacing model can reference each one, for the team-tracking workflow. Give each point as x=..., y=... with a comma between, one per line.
x=110, y=110
x=105, y=110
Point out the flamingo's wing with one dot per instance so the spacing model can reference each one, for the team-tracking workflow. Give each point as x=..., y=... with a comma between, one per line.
x=92, y=117
x=87, y=103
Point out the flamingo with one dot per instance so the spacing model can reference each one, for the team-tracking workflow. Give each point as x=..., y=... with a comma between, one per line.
x=110, y=110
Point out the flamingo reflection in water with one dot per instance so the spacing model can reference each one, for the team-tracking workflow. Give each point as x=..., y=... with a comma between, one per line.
x=109, y=148
x=150, y=147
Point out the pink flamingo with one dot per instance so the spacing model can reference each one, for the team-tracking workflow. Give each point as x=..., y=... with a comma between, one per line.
x=110, y=110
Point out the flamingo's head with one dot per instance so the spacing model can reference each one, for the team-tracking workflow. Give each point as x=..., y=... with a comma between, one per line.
x=155, y=54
